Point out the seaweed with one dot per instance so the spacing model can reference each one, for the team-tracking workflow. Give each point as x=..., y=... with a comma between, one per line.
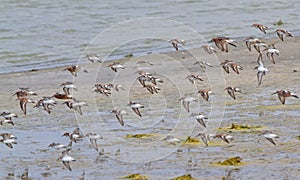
x=241, y=127
x=135, y=177
x=184, y=177
x=190, y=140
x=139, y=135
x=278, y=23
x=234, y=161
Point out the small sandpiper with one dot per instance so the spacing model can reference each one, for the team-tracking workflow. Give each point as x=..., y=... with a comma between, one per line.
x=116, y=87
x=102, y=90
x=206, y=138
x=193, y=77
x=144, y=62
x=62, y=96
x=231, y=91
x=8, y=139
x=74, y=69
x=282, y=32
x=269, y=136
x=23, y=92
x=226, y=138
x=235, y=67
x=205, y=93
x=67, y=86
x=176, y=42
x=8, y=121
x=152, y=88
x=261, y=27
x=250, y=41
x=76, y=105
x=115, y=66
x=202, y=65
x=208, y=49
x=57, y=145
x=261, y=69
x=186, y=100
x=270, y=53
x=225, y=65
x=23, y=103
x=119, y=115
x=8, y=118
x=222, y=43
x=74, y=136
x=282, y=94
x=93, y=58
x=200, y=118
x=93, y=139
x=66, y=159
x=171, y=139
x=135, y=107
x=259, y=44
x=46, y=103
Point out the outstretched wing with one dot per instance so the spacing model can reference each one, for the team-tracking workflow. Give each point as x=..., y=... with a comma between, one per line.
x=282, y=99
x=271, y=140
x=136, y=110
x=231, y=93
x=259, y=77
x=120, y=119
x=200, y=120
x=67, y=165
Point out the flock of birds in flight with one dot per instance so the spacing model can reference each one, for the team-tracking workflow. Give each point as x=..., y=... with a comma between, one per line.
x=150, y=82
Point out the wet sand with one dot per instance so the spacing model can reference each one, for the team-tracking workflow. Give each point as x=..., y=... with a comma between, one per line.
x=162, y=115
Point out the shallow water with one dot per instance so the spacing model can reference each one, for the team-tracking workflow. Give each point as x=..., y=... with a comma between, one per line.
x=42, y=34
x=163, y=114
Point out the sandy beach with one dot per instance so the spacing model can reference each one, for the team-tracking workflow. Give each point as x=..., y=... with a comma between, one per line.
x=163, y=115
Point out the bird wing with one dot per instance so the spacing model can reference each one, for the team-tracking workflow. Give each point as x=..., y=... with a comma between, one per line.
x=186, y=105
x=205, y=96
x=120, y=119
x=248, y=45
x=204, y=140
x=175, y=45
x=136, y=110
x=235, y=69
x=259, y=77
x=282, y=99
x=76, y=131
x=201, y=122
x=226, y=68
x=23, y=106
x=150, y=89
x=219, y=46
x=271, y=140
x=280, y=36
x=231, y=93
x=67, y=165
x=94, y=143
x=272, y=58
x=9, y=145
x=225, y=139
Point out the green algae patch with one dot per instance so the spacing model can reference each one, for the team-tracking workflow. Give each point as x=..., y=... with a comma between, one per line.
x=191, y=141
x=279, y=23
x=184, y=177
x=139, y=136
x=241, y=127
x=298, y=137
x=234, y=161
x=135, y=177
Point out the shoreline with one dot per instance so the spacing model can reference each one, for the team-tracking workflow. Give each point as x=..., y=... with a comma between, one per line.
x=120, y=57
